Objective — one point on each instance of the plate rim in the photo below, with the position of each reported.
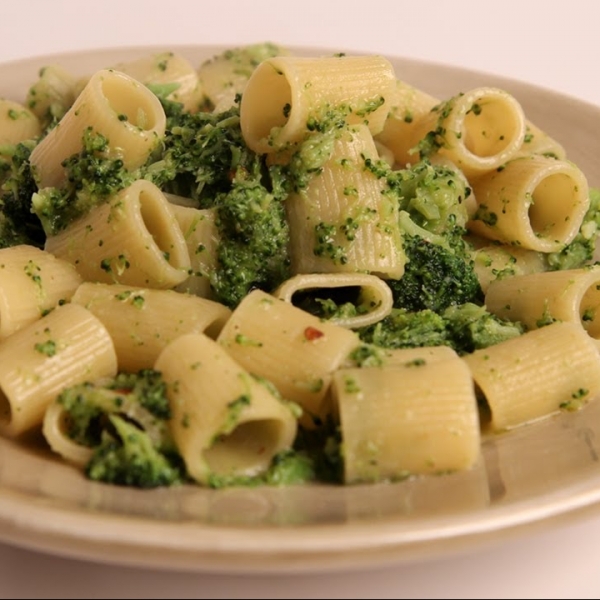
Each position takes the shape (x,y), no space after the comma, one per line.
(301,551)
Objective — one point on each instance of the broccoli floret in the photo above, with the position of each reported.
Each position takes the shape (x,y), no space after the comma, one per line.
(91,179)
(465,328)
(124,420)
(433,213)
(18,225)
(581,250)
(471,327)
(436,275)
(128,457)
(206,159)
(407,329)
(201,152)
(253,248)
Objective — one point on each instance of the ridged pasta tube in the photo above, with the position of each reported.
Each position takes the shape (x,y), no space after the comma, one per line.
(224,421)
(114,105)
(286,93)
(66,347)
(534,202)
(133,239)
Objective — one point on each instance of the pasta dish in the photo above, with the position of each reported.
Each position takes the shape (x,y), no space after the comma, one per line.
(271,269)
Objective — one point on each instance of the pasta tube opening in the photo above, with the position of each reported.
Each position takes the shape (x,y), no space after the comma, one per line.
(134,107)
(536,203)
(247,450)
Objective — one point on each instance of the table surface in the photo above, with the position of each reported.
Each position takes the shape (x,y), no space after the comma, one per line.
(555,48)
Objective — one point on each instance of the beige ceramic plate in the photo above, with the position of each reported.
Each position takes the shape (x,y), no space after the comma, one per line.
(528,478)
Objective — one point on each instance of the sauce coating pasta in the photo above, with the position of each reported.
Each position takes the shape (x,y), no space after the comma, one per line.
(321,274)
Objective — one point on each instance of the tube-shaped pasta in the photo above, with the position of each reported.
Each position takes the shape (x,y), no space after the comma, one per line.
(293,349)
(285,94)
(224,421)
(497,261)
(537,141)
(169,72)
(51,96)
(143,321)
(66,347)
(409,107)
(225,75)
(533,202)
(133,239)
(417,356)
(32,282)
(539,298)
(114,105)
(397,421)
(374,300)
(202,239)
(478,130)
(17,123)
(536,374)
(342,222)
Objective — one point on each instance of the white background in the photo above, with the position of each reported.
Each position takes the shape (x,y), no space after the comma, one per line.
(551,44)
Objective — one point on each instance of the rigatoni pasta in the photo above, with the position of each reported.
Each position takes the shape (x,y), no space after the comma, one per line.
(225,421)
(402,420)
(142,321)
(535,202)
(68,346)
(274,269)
(32,282)
(133,239)
(301,90)
(114,105)
(520,384)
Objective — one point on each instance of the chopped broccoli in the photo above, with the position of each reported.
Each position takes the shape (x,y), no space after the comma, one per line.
(125,421)
(407,329)
(128,457)
(92,178)
(471,327)
(206,159)
(465,328)
(581,250)
(18,225)
(436,275)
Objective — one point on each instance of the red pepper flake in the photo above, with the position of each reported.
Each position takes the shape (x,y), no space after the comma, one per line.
(311,333)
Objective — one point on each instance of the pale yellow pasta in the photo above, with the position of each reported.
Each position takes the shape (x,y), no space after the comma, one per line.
(533,202)
(536,374)
(478,130)
(417,356)
(51,96)
(64,348)
(537,141)
(202,239)
(32,282)
(17,123)
(342,222)
(114,105)
(407,420)
(167,70)
(374,298)
(498,261)
(143,321)
(225,75)
(293,349)
(410,105)
(539,298)
(224,421)
(284,94)
(133,239)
